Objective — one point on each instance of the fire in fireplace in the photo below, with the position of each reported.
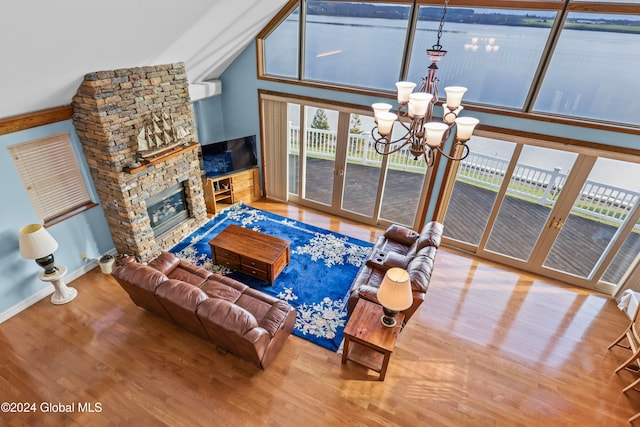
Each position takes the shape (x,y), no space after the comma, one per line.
(167,209)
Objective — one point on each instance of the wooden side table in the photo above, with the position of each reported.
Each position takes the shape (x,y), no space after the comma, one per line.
(366,341)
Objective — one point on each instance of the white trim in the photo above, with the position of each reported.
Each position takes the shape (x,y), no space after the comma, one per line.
(46,291)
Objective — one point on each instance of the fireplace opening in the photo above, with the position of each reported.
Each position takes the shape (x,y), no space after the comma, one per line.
(167,209)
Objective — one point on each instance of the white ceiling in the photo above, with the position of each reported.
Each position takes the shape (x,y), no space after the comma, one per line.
(48,46)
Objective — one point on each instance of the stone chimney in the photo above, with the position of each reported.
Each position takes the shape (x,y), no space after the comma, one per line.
(109,110)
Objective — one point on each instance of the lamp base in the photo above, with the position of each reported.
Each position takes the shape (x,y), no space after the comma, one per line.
(389,318)
(48,263)
(388,322)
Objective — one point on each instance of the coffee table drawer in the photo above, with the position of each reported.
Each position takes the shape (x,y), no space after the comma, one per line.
(228,259)
(252,263)
(255,272)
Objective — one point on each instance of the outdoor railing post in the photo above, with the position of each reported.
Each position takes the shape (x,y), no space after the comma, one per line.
(365,148)
(552,185)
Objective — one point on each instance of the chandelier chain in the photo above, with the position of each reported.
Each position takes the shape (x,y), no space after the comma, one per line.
(438,46)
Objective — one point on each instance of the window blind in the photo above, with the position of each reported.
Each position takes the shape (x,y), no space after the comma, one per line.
(274,114)
(50,173)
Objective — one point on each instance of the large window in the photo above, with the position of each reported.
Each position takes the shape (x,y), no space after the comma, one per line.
(593,71)
(546,57)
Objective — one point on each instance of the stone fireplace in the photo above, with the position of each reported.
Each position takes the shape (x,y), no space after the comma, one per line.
(151,207)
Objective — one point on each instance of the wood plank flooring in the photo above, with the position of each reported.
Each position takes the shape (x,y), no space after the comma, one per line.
(490,346)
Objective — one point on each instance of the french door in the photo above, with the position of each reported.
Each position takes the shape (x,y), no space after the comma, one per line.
(568,215)
(332,166)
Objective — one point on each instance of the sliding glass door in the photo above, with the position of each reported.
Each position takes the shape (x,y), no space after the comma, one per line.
(567,215)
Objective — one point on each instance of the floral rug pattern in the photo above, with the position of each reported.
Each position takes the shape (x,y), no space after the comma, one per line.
(316,281)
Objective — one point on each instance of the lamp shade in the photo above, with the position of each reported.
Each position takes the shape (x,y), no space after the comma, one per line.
(395,290)
(466,125)
(35,242)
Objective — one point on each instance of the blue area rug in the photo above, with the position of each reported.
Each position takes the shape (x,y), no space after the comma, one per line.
(316,281)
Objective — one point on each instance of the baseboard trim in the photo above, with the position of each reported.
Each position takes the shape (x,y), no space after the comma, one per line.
(46,291)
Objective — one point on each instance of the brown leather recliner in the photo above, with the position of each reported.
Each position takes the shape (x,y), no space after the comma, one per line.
(245,322)
(399,247)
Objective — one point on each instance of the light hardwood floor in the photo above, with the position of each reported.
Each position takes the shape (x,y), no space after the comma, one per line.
(489,346)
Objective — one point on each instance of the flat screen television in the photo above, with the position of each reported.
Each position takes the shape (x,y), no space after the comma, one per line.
(224,157)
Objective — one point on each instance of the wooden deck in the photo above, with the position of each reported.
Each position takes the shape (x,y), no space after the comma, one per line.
(577,249)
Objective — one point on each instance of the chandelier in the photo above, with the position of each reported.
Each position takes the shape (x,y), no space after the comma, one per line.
(424,136)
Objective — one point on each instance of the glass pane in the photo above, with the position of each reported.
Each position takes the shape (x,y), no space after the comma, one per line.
(344,45)
(320,153)
(593,70)
(533,190)
(626,258)
(403,185)
(604,203)
(493,52)
(475,190)
(281,48)
(293,147)
(362,173)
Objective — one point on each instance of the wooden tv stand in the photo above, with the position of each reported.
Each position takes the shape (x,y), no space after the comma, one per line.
(224,190)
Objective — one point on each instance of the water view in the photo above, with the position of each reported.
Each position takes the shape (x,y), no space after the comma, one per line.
(591,74)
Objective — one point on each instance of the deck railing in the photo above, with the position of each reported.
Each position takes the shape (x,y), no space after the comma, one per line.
(597,200)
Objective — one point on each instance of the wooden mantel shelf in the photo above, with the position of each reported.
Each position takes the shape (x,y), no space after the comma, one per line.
(146,164)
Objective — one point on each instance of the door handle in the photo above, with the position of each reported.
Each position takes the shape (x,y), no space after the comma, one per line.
(340,172)
(553,219)
(559,224)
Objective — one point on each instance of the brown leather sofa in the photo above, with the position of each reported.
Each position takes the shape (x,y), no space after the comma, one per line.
(245,322)
(404,248)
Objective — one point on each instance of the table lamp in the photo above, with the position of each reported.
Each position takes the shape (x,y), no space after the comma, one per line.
(36,243)
(394,294)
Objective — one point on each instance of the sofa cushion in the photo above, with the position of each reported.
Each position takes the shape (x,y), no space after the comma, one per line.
(179,269)
(431,235)
(181,300)
(274,319)
(218,286)
(420,268)
(401,234)
(226,315)
(166,262)
(140,282)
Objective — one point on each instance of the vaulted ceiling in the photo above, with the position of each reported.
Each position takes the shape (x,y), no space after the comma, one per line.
(48,46)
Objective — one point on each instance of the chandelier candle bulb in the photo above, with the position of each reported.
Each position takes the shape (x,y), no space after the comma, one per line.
(385,122)
(380,107)
(404,90)
(454,96)
(465,127)
(418,104)
(435,133)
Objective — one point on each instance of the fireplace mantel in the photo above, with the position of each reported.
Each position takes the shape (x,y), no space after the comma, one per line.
(146,164)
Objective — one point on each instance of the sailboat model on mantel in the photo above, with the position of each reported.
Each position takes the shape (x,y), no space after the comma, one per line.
(159,136)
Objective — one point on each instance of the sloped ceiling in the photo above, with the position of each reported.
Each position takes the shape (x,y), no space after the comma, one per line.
(48,46)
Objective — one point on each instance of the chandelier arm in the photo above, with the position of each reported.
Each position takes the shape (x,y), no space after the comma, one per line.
(386,143)
(464,155)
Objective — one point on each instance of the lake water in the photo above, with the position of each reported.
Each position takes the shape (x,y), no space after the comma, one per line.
(592,74)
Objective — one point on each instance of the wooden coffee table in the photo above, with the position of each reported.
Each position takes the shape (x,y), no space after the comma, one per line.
(366,341)
(256,254)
